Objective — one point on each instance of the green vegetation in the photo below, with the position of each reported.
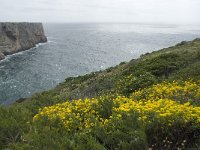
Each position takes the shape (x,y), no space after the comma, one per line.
(151,102)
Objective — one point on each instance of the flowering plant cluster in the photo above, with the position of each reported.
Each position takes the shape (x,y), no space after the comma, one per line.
(165,103)
(181,92)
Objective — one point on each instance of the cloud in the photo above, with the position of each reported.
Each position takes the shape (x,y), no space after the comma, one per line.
(170,11)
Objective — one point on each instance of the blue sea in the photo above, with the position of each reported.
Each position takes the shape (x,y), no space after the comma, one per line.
(78,49)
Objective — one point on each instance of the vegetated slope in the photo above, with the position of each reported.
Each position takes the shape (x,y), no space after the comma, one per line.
(130,106)
(178,62)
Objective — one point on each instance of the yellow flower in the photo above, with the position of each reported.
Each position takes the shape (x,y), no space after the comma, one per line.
(157,102)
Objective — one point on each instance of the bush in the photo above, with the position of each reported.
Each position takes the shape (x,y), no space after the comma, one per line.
(13,124)
(156,112)
(163,65)
(128,84)
(182,91)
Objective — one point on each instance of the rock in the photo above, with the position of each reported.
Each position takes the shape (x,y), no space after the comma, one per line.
(1,56)
(15,37)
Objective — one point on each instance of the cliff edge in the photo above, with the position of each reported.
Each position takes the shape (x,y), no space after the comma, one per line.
(15,37)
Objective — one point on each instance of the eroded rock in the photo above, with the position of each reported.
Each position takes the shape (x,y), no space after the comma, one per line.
(15,37)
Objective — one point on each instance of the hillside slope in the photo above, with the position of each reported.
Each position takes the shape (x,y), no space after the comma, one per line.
(178,62)
(129,106)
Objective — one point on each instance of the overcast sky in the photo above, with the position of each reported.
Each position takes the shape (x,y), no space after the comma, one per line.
(153,11)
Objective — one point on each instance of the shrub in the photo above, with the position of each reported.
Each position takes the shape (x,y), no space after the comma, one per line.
(158,113)
(128,84)
(182,91)
(13,124)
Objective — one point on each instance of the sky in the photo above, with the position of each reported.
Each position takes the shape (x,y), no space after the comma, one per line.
(138,11)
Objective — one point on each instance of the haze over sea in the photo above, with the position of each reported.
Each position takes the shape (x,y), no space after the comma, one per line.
(77,49)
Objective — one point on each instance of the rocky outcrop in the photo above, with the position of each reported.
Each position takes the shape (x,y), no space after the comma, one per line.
(15,37)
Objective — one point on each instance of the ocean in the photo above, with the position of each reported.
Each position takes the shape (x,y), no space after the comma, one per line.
(77,49)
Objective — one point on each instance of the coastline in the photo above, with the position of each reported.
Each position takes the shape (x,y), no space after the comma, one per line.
(7,57)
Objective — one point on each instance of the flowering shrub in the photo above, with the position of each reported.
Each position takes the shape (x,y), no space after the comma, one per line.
(79,114)
(178,91)
(75,114)
(162,106)
(165,110)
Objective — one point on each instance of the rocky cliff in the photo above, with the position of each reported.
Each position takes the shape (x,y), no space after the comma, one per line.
(15,37)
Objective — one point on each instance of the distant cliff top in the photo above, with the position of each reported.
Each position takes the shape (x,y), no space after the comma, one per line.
(19,36)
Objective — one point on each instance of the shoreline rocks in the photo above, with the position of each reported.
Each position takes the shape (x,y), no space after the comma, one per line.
(16,37)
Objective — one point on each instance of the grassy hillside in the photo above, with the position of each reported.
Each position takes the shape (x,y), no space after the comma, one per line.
(150,102)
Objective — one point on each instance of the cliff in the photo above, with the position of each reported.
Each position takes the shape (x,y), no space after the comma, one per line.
(15,37)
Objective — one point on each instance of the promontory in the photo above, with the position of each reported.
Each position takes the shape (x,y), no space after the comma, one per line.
(15,37)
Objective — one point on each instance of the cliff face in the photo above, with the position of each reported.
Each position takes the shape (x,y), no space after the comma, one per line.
(15,37)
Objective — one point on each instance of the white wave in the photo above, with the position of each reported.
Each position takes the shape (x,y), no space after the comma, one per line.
(2,67)
(40,44)
(7,57)
(49,41)
(52,38)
